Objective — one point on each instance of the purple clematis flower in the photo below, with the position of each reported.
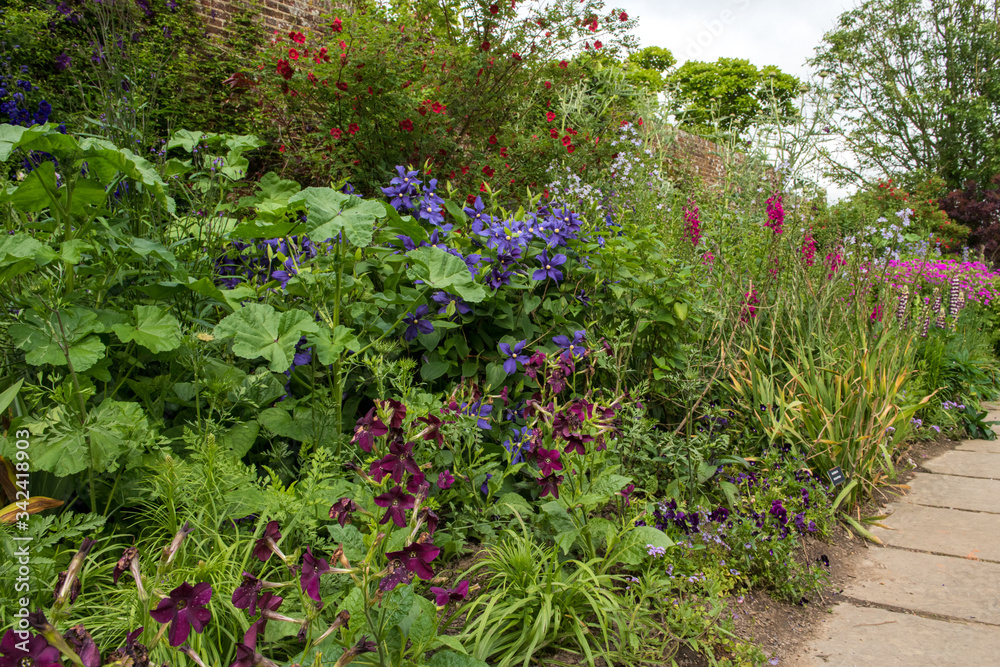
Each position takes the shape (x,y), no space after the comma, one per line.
(573,346)
(445,300)
(481,411)
(549,269)
(416,558)
(396,501)
(312,569)
(184,610)
(402,188)
(518,444)
(513,356)
(417,323)
(478,215)
(443,596)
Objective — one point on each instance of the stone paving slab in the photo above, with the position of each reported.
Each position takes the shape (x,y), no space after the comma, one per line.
(989,446)
(865,637)
(943,585)
(970,464)
(966,493)
(964,534)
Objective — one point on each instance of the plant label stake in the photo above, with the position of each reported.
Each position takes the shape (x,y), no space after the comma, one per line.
(836,476)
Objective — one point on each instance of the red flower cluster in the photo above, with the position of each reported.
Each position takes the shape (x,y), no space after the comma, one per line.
(285,70)
(297,37)
(406,125)
(337,25)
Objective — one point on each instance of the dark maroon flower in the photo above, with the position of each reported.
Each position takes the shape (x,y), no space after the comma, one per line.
(536,362)
(184,610)
(548,461)
(246,656)
(550,484)
(576,443)
(433,429)
(367,429)
(398,412)
(83,645)
(39,652)
(312,569)
(626,493)
(74,588)
(133,651)
(429,518)
(124,563)
(246,595)
(397,574)
(443,596)
(395,502)
(416,558)
(268,604)
(399,460)
(342,510)
(418,485)
(267,544)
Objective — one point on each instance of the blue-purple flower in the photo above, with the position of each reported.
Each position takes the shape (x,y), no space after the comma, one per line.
(549,269)
(445,300)
(573,346)
(417,323)
(512,356)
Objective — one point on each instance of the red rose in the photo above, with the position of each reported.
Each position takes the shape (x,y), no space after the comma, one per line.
(550,116)
(406,125)
(547,84)
(470,200)
(342,86)
(570,130)
(422,110)
(623,17)
(437,107)
(597,44)
(465,170)
(337,25)
(492,139)
(285,70)
(336,133)
(563,64)
(494,9)
(293,54)
(353,128)
(503,152)
(554,133)
(489,171)
(485,46)
(516,56)
(570,148)
(566,141)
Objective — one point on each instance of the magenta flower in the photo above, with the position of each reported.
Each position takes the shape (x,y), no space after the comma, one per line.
(396,502)
(445,480)
(312,569)
(399,460)
(443,596)
(550,484)
(268,605)
(416,558)
(184,610)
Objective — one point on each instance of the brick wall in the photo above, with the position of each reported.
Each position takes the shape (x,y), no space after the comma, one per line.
(274,14)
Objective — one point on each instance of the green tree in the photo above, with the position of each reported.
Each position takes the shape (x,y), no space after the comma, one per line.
(731,92)
(647,67)
(919,87)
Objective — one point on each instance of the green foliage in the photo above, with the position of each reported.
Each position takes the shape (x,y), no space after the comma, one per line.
(900,65)
(731,92)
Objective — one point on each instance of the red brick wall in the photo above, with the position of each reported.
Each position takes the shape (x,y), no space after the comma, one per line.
(273,14)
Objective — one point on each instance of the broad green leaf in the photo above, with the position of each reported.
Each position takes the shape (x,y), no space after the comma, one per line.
(33,194)
(441,270)
(329,347)
(432,370)
(155,329)
(350,538)
(632,549)
(72,251)
(20,253)
(422,626)
(72,328)
(186,139)
(272,188)
(280,422)
(258,330)
(240,438)
(329,211)
(229,298)
(681,309)
(146,248)
(566,539)
(495,376)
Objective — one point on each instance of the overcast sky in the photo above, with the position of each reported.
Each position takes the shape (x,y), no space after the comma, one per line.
(765,32)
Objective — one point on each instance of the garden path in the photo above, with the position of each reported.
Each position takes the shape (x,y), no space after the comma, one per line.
(931,595)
